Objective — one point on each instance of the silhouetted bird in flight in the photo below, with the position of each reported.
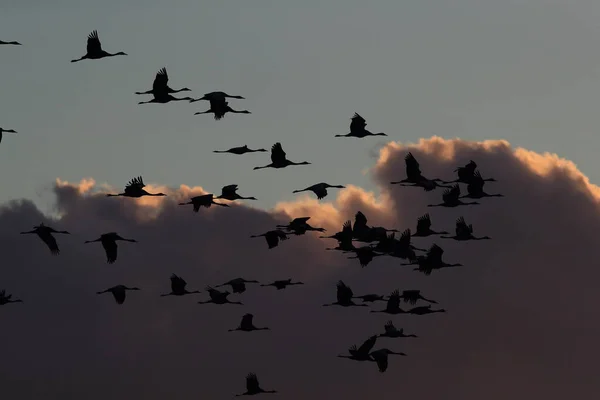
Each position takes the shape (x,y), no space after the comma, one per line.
(94,49)
(219,97)
(229,192)
(45,233)
(432,260)
(414,176)
(365,233)
(178,285)
(401,248)
(299,226)
(475,188)
(218,297)
(357,128)
(205,200)
(450,198)
(160,85)
(247,326)
(220,108)
(465,173)
(361,353)
(163,98)
(273,237)
(238,285)
(344,236)
(320,189)
(6,131)
(7,298)
(393,305)
(118,292)
(412,296)
(364,255)
(282,284)
(109,242)
(344,297)
(279,160)
(392,332)
(241,150)
(135,188)
(423,310)
(253,387)
(381,358)
(464,232)
(370,298)
(14,43)
(424,227)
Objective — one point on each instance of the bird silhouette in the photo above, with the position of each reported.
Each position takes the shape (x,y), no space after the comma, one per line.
(392,332)
(412,296)
(415,178)
(282,284)
(247,326)
(370,298)
(6,131)
(393,305)
(424,227)
(109,242)
(365,233)
(279,160)
(357,128)
(216,97)
(135,188)
(464,232)
(381,358)
(273,237)
(344,297)
(299,226)
(220,108)
(94,49)
(205,200)
(253,387)
(229,192)
(118,292)
(241,150)
(7,298)
(160,85)
(475,188)
(218,297)
(13,43)
(178,287)
(163,98)
(465,173)
(431,261)
(238,285)
(45,233)
(345,235)
(423,310)
(361,353)
(320,189)
(364,255)
(450,198)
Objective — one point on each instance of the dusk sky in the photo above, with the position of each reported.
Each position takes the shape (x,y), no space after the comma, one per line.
(513,85)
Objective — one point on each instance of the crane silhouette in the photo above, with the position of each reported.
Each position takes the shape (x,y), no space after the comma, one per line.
(415,178)
(393,305)
(361,353)
(282,284)
(45,233)
(450,198)
(163,98)
(381,358)
(6,131)
(160,85)
(218,297)
(357,128)
(229,192)
(475,188)
(247,326)
(7,298)
(205,200)
(299,226)
(273,237)
(241,150)
(423,310)
(466,173)
(344,297)
(370,298)
(364,255)
(220,108)
(118,292)
(320,189)
(412,296)
(424,227)
(365,233)
(464,232)
(13,43)
(253,387)
(238,285)
(94,49)
(345,235)
(216,97)
(135,188)
(279,160)
(392,332)
(178,287)
(109,242)
(431,261)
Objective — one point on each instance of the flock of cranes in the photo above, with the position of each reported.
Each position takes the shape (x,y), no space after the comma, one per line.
(378,241)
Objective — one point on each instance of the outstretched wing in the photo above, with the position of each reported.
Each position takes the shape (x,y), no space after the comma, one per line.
(389,327)
(404,241)
(229,189)
(50,242)
(424,223)
(461,227)
(135,183)
(360,219)
(381,359)
(411,296)
(252,385)
(344,293)
(452,194)
(119,295)
(277,153)
(110,247)
(358,123)
(367,345)
(394,300)
(246,320)
(412,166)
(160,81)
(93,43)
(177,283)
(299,221)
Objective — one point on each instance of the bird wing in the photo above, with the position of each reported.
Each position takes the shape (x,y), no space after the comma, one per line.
(119,295)
(389,327)
(110,247)
(246,321)
(451,194)
(299,221)
(161,80)
(177,283)
(252,385)
(93,43)
(411,296)
(461,227)
(229,189)
(358,123)
(50,242)
(423,223)
(404,240)
(320,191)
(360,219)
(135,183)
(412,166)
(277,153)
(367,345)
(394,300)
(381,359)
(344,293)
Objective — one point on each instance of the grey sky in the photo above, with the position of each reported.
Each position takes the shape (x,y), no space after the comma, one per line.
(476,69)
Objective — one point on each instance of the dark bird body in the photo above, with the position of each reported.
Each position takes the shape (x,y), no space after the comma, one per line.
(160,85)
(229,192)
(450,198)
(253,387)
(118,292)
(218,297)
(424,227)
(45,233)
(361,353)
(220,108)
(238,285)
(247,326)
(135,188)
(464,232)
(282,284)
(13,43)
(178,287)
(358,128)
(320,189)
(414,177)
(381,358)
(219,97)
(279,160)
(475,188)
(344,297)
(392,332)
(205,200)
(273,237)
(299,226)
(109,242)
(241,150)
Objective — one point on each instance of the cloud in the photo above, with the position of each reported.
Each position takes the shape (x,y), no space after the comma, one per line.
(521,315)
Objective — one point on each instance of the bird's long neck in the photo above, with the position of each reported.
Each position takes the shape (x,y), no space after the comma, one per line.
(92,241)
(247,198)
(266,166)
(115,195)
(237,111)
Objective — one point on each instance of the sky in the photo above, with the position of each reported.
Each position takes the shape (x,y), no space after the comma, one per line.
(515,81)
